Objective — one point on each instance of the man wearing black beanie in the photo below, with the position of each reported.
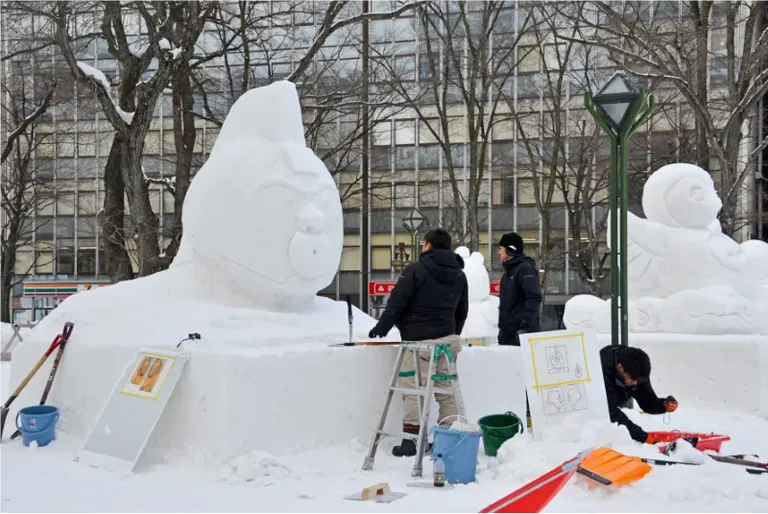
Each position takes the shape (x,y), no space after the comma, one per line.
(519,292)
(519,296)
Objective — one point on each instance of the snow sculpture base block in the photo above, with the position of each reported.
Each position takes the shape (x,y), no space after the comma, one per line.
(231,401)
(715,372)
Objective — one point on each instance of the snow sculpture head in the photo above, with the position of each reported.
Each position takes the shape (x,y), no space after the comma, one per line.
(263,216)
(477,276)
(682,196)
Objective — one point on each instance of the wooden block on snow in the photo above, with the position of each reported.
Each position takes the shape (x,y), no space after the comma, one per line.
(371,492)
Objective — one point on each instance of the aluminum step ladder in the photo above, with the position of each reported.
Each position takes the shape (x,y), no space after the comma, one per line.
(424,393)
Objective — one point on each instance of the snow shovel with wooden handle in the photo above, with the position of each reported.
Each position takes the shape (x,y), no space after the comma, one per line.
(68,326)
(4,413)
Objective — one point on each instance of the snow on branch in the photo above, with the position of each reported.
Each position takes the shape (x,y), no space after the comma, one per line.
(95,74)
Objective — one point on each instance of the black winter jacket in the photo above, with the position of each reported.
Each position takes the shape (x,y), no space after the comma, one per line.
(430,299)
(519,299)
(618,394)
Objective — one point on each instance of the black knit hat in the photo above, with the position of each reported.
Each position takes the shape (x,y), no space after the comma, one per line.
(512,242)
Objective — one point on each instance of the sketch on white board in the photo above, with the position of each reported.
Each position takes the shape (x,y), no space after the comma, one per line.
(562,399)
(553,401)
(557,359)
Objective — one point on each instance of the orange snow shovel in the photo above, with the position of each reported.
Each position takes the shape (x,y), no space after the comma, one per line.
(610,467)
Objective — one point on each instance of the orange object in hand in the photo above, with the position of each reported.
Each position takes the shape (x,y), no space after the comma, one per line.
(670,404)
(651,439)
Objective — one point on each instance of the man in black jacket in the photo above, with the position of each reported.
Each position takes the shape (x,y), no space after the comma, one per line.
(429,304)
(519,292)
(627,373)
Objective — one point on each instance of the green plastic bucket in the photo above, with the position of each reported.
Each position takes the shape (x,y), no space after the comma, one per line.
(497,428)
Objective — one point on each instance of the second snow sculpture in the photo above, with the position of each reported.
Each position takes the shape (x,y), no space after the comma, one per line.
(483,318)
(685,275)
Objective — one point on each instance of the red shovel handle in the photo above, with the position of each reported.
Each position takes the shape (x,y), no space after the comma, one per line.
(55,344)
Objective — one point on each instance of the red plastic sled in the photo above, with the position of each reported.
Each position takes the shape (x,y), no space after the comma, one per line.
(535,495)
(705,441)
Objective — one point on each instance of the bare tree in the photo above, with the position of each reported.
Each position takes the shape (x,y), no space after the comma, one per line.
(21,188)
(468,53)
(147,65)
(257,43)
(713,53)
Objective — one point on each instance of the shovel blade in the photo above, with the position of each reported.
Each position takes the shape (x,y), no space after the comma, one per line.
(614,466)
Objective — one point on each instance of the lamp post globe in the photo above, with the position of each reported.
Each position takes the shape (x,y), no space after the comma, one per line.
(616,100)
(412,223)
(413,220)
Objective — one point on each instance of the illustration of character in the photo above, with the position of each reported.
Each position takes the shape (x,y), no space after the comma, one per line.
(141,371)
(154,373)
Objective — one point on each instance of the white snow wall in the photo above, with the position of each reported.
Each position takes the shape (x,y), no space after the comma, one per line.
(277,400)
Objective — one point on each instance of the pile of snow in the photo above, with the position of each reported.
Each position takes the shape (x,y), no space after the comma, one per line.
(317,480)
(258,467)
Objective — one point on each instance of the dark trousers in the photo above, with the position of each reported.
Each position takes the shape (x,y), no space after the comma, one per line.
(508,340)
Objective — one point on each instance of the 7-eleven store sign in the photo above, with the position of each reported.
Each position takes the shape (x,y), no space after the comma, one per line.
(385,288)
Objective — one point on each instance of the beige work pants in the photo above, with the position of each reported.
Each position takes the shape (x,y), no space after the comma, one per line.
(446,402)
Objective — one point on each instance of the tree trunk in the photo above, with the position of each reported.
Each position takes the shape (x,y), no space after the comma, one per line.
(184,133)
(473,227)
(113,220)
(145,222)
(6,286)
(701,74)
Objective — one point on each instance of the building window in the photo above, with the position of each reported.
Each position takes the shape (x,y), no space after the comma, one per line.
(65,261)
(428,66)
(86,261)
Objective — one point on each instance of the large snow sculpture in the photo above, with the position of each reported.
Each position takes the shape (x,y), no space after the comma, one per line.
(260,167)
(483,317)
(263,233)
(684,274)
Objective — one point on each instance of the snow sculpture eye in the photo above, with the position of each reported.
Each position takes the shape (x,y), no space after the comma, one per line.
(697,193)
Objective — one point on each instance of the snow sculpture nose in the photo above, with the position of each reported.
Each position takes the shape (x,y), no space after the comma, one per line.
(310,219)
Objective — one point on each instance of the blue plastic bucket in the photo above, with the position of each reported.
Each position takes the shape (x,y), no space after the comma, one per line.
(38,423)
(459,450)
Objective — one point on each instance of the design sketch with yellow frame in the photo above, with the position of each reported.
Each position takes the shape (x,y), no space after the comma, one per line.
(583,351)
(148,376)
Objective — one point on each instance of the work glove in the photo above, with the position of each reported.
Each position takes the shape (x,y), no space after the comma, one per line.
(670,404)
(651,439)
(373,334)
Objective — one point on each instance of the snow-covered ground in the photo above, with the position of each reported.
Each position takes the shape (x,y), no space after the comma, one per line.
(47,479)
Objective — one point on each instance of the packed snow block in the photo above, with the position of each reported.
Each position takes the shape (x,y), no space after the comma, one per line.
(716,372)
(232,401)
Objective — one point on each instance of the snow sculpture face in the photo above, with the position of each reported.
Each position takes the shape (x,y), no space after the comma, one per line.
(477,276)
(263,215)
(682,196)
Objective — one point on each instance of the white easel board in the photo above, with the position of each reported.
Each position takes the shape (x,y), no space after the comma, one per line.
(122,430)
(563,376)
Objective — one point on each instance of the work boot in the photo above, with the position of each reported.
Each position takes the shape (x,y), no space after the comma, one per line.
(408,447)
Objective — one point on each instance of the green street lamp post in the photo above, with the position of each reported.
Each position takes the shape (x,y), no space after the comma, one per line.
(619,109)
(412,223)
